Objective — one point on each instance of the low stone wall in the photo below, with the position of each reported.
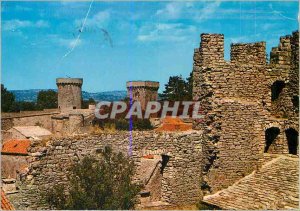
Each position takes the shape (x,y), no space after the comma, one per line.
(48,165)
(28,118)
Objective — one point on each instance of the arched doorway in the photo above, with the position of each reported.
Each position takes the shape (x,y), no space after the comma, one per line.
(270,136)
(293,140)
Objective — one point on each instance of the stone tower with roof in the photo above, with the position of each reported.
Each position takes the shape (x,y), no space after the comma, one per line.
(69,93)
(142,91)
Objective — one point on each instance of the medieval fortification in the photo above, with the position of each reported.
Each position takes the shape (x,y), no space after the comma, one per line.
(250,127)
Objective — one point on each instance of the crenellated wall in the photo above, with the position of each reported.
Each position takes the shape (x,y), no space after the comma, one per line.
(239,105)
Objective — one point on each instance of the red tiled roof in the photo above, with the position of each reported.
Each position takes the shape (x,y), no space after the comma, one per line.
(5,204)
(16,146)
(174,124)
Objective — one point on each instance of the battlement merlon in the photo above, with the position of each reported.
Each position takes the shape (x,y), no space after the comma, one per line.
(249,53)
(211,49)
(75,81)
(143,84)
(287,50)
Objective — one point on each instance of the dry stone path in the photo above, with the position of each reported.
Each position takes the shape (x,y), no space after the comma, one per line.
(274,186)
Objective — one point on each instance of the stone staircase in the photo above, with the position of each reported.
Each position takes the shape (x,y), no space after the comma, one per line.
(151,177)
(274,186)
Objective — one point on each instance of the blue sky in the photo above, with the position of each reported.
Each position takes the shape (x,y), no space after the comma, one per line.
(123,41)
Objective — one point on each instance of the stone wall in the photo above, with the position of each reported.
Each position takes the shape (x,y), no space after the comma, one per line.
(75,122)
(35,118)
(6,123)
(11,164)
(180,179)
(284,65)
(238,107)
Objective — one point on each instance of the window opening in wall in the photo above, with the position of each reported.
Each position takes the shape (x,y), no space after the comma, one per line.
(295,101)
(276,89)
(165,160)
(270,135)
(293,140)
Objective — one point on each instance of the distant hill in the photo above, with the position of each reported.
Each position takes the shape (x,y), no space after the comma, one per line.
(30,95)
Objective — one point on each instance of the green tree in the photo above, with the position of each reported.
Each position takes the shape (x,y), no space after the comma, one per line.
(7,99)
(47,99)
(24,106)
(97,183)
(177,89)
(190,87)
(86,103)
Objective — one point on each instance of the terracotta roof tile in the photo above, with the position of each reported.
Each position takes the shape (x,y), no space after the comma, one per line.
(16,146)
(174,124)
(5,204)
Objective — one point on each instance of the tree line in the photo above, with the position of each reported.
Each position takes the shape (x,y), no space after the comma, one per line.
(176,89)
(46,99)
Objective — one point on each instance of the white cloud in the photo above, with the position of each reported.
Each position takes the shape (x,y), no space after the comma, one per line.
(64,42)
(100,19)
(165,32)
(15,24)
(207,11)
(173,10)
(268,26)
(41,24)
(69,43)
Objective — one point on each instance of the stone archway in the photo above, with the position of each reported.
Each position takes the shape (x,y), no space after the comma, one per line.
(292,136)
(270,137)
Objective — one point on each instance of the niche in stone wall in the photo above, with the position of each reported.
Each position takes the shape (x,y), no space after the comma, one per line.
(293,140)
(270,136)
(276,89)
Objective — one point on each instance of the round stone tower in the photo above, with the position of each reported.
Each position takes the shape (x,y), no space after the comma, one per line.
(142,91)
(69,93)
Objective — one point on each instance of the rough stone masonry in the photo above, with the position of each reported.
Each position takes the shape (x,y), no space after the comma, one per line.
(48,164)
(250,105)
(69,93)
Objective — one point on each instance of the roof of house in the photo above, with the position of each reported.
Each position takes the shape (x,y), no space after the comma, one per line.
(32,131)
(5,204)
(16,146)
(174,124)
